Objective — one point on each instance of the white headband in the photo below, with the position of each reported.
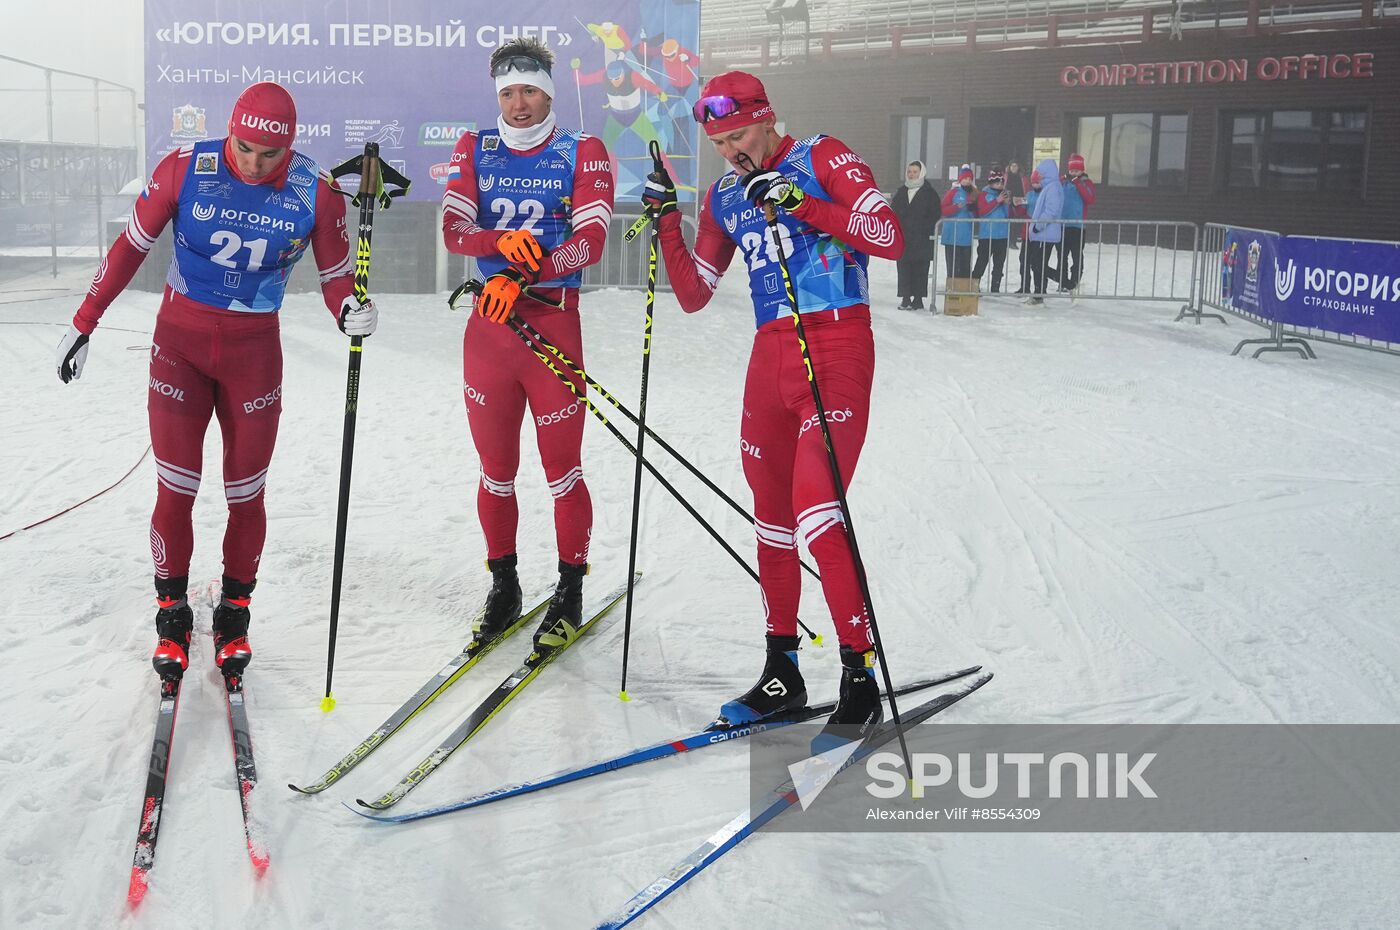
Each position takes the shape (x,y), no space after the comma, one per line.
(540,79)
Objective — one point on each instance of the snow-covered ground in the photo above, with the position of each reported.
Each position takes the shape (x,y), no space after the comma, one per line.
(1120,519)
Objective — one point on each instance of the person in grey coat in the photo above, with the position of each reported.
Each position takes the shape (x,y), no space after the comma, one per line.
(1045,227)
(916,205)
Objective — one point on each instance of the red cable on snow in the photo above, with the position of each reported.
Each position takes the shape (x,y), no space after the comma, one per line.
(82,502)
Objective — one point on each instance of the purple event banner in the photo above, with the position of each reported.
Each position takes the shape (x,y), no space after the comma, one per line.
(1339,285)
(416,78)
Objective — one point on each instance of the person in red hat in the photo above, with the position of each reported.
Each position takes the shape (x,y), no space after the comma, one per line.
(244,210)
(531,202)
(1080,195)
(831,218)
(960,206)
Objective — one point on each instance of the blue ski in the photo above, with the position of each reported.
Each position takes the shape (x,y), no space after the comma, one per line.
(708,737)
(783,797)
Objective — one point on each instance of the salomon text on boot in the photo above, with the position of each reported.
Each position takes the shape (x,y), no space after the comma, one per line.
(779,688)
(859,709)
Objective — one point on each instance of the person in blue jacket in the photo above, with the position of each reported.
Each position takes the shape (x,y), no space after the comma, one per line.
(959,210)
(1045,227)
(1080,194)
(994,207)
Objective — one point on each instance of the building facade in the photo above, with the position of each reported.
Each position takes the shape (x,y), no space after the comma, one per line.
(1291,132)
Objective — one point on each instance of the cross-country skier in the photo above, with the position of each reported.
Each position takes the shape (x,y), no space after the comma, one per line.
(531,202)
(244,209)
(831,217)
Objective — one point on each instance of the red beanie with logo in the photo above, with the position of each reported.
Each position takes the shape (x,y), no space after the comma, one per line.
(743,89)
(264,115)
(1076,162)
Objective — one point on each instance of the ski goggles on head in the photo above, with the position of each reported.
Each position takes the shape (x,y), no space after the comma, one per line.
(714,107)
(518,63)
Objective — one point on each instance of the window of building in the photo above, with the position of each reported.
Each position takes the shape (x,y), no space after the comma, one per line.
(1171,150)
(921,139)
(1134,149)
(1294,150)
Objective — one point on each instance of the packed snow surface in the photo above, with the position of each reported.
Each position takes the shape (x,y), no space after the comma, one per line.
(1102,506)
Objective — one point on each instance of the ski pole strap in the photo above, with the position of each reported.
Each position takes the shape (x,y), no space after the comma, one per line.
(648,214)
(389,185)
(473,286)
(470,286)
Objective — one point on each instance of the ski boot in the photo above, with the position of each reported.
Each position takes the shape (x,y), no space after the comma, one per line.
(859,709)
(779,688)
(564,616)
(174,624)
(503,603)
(231,650)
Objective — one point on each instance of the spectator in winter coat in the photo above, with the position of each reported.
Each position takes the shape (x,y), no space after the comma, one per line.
(959,210)
(1045,226)
(916,205)
(994,206)
(1080,194)
(1022,208)
(1016,188)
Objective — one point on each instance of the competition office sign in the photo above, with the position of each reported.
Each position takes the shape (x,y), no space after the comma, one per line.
(1344,66)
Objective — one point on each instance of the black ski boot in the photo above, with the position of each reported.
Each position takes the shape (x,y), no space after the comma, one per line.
(859,709)
(565,614)
(780,687)
(174,624)
(503,602)
(231,650)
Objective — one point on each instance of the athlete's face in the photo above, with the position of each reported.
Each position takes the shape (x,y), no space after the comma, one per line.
(523,105)
(747,148)
(254,161)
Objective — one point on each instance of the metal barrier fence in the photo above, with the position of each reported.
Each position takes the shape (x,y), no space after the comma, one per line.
(1119,259)
(1283,337)
(72,140)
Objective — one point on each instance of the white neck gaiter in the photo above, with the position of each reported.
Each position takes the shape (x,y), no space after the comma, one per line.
(522,140)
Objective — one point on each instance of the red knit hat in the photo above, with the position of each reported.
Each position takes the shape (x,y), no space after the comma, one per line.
(264,115)
(1035,176)
(1076,162)
(965,174)
(731,101)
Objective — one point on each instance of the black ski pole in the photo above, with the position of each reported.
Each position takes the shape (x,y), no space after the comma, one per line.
(770,213)
(543,349)
(651,433)
(372,174)
(658,165)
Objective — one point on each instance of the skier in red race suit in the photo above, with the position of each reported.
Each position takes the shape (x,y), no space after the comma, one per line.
(831,217)
(531,202)
(244,210)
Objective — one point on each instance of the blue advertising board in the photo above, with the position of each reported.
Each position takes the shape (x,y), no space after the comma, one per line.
(413,76)
(1339,285)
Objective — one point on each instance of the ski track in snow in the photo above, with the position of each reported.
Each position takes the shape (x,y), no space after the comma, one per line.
(1121,520)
